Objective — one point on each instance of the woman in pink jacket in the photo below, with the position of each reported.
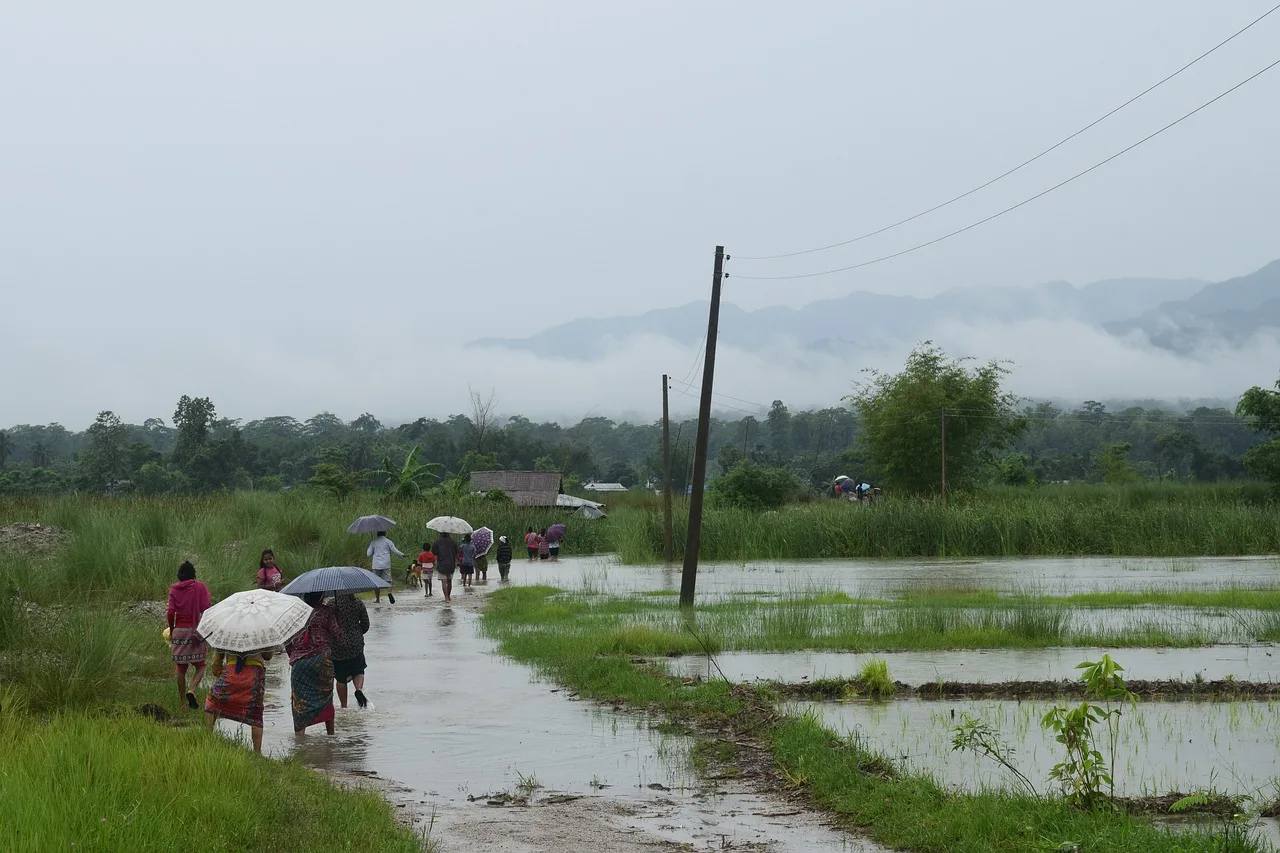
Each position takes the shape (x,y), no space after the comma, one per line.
(188,600)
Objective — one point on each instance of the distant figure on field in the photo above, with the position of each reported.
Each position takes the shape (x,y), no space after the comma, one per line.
(553,548)
(381,549)
(446,562)
(427,562)
(544,547)
(311,667)
(504,557)
(188,600)
(269,574)
(468,560)
(531,543)
(239,691)
(348,653)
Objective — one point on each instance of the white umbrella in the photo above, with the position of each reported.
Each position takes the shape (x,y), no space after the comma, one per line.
(370,524)
(448,524)
(253,620)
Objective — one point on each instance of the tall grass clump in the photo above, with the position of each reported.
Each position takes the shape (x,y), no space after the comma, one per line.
(874,678)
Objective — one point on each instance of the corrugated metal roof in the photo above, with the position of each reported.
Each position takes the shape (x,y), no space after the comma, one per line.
(526,488)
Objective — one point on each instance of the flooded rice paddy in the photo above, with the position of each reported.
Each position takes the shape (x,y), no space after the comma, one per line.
(1164,746)
(1212,663)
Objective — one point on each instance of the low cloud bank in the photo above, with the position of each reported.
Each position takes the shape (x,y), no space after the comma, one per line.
(403,376)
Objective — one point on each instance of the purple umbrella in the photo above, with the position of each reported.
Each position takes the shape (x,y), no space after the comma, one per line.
(482,539)
(555,533)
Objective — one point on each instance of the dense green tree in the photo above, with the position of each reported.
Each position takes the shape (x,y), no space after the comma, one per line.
(1115,466)
(1177,449)
(103,462)
(1261,408)
(779,429)
(194,418)
(749,485)
(903,416)
(6,448)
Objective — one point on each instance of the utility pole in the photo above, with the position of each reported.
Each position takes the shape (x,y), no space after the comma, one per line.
(944,453)
(693,539)
(668,549)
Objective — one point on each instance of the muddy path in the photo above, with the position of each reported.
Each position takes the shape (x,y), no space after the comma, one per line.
(475,753)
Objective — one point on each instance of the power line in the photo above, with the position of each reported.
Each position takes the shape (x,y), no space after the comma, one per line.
(720,405)
(725,396)
(1022,203)
(1021,165)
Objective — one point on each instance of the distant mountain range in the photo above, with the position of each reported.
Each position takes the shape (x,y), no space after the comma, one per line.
(1180,315)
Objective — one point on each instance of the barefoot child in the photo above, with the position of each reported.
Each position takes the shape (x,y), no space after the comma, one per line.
(427,565)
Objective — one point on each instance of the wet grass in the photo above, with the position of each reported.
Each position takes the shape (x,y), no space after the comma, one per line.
(76,782)
(588,647)
(835,621)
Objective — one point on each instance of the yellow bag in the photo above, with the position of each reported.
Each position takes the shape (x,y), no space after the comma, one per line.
(165,634)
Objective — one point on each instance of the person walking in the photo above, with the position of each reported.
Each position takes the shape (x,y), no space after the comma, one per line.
(531,544)
(446,551)
(348,653)
(381,549)
(427,561)
(239,691)
(269,574)
(311,667)
(553,548)
(188,600)
(504,558)
(468,567)
(544,547)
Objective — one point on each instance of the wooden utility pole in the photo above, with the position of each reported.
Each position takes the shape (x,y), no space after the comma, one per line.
(668,547)
(693,538)
(943,426)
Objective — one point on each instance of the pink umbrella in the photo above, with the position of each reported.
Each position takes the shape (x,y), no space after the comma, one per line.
(555,533)
(482,539)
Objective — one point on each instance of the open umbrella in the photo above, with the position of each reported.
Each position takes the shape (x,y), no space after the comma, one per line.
(253,620)
(335,579)
(370,524)
(555,533)
(448,524)
(482,539)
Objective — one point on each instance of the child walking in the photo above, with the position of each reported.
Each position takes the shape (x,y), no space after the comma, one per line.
(427,562)
(504,557)
(468,555)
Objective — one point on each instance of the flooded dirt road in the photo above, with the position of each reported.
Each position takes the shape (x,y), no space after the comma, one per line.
(453,727)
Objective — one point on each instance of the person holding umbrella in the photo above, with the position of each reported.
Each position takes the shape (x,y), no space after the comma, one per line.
(381,549)
(242,629)
(446,551)
(554,534)
(311,666)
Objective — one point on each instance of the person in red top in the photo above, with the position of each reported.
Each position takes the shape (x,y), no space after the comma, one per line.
(188,600)
(427,562)
(269,574)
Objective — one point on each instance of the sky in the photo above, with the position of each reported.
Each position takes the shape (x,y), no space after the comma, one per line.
(295,207)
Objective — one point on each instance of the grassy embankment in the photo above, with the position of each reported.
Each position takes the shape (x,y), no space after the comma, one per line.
(82,769)
(592,656)
(1155,520)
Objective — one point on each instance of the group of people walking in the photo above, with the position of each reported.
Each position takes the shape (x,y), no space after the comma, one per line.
(329,651)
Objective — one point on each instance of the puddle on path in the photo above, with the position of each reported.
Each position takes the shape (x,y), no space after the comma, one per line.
(1164,746)
(1246,663)
(452,718)
(887,578)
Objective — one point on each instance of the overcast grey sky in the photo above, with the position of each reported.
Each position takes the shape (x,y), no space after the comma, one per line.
(302,206)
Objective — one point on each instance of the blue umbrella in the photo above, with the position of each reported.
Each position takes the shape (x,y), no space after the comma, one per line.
(335,579)
(370,524)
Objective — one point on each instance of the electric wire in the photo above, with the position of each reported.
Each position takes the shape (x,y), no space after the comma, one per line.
(1022,203)
(1021,165)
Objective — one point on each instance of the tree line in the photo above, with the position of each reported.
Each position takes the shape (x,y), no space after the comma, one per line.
(890,430)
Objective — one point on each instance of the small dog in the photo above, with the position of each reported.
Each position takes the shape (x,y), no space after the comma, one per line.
(413,574)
